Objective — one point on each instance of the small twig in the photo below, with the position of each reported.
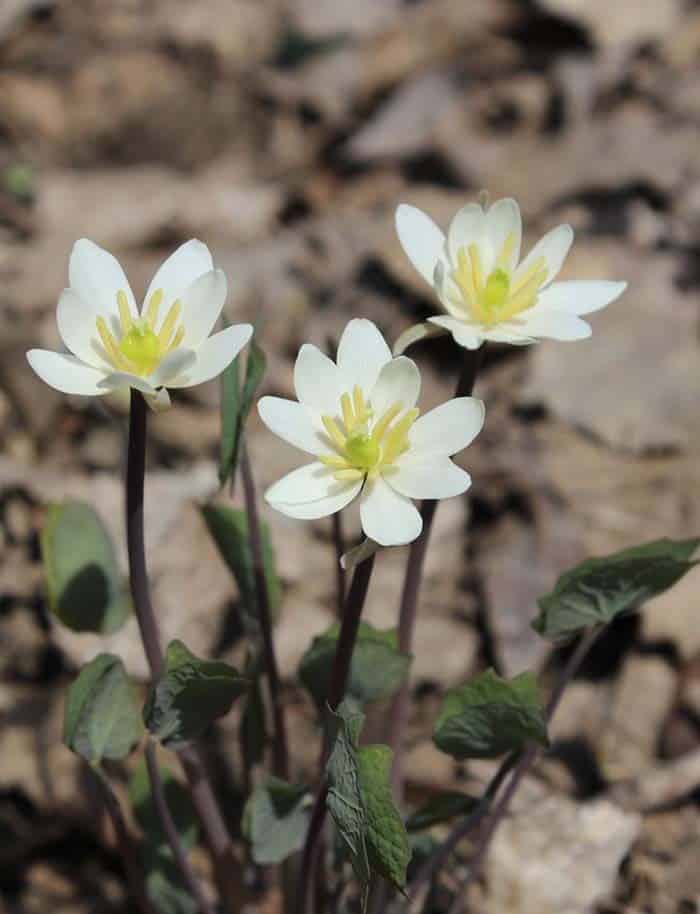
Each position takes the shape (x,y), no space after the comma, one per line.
(171,833)
(339,679)
(279,746)
(125,841)
(398,713)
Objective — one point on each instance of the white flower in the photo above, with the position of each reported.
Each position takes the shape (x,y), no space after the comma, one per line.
(487,291)
(166,343)
(358,419)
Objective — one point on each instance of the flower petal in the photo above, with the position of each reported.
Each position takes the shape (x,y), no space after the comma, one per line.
(311,492)
(123,379)
(97,276)
(175,363)
(447,429)
(76,324)
(362,353)
(190,261)
(435,476)
(416,333)
(467,227)
(398,382)
(388,518)
(317,380)
(468,335)
(508,332)
(423,242)
(553,247)
(503,219)
(293,422)
(202,303)
(159,401)
(555,325)
(66,373)
(214,355)
(581,296)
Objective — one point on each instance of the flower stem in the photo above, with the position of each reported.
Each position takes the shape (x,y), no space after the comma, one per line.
(280,749)
(127,849)
(523,766)
(339,543)
(213,825)
(398,713)
(171,833)
(349,627)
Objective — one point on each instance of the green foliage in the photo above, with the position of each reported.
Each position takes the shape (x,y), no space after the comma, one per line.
(164,883)
(101,716)
(85,589)
(377,668)
(235,406)
(361,805)
(19,180)
(190,695)
(229,529)
(441,808)
(599,589)
(276,819)
(489,716)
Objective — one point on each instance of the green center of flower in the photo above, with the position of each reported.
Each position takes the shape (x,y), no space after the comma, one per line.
(498,296)
(363,446)
(139,347)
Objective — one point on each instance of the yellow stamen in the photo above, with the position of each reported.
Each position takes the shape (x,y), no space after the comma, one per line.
(177,339)
(171,318)
(108,340)
(539,265)
(386,420)
(477,272)
(330,460)
(504,258)
(152,309)
(397,438)
(358,402)
(525,297)
(348,475)
(348,416)
(124,311)
(334,433)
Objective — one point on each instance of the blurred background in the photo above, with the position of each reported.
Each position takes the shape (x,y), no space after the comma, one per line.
(284,133)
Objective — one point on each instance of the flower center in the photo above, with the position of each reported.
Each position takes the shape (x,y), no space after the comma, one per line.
(139,349)
(498,296)
(363,444)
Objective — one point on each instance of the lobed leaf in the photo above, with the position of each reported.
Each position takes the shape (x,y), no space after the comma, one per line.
(489,716)
(276,820)
(86,591)
(101,716)
(599,589)
(236,402)
(190,695)
(441,808)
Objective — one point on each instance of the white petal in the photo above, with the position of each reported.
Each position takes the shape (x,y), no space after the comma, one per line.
(160,401)
(423,242)
(293,422)
(97,276)
(311,492)
(202,303)
(432,477)
(508,332)
(76,324)
(468,335)
(414,334)
(120,379)
(66,373)
(175,363)
(388,518)
(398,382)
(214,355)
(466,228)
(555,325)
(317,380)
(448,428)
(554,247)
(502,220)
(580,296)
(362,353)
(190,261)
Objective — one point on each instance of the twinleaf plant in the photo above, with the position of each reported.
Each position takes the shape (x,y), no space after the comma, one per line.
(342,835)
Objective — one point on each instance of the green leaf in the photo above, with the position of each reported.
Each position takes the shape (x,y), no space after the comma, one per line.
(387,842)
(276,820)
(597,590)
(229,529)
(190,695)
(101,717)
(361,805)
(85,589)
(441,808)
(235,406)
(377,668)
(253,732)
(489,716)
(164,883)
